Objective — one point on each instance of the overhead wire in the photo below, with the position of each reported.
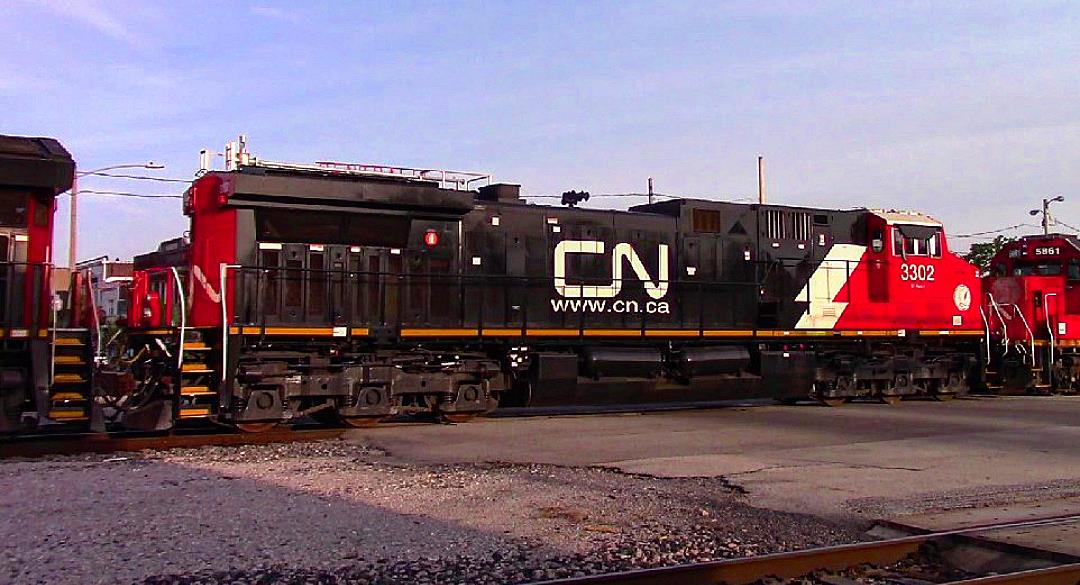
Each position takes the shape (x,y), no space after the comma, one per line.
(128,194)
(993,232)
(140,177)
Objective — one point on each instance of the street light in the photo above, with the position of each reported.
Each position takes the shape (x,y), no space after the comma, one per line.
(75,195)
(1045,211)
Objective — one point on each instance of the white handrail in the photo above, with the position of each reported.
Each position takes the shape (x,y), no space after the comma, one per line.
(1004,328)
(225,320)
(97,320)
(1031,335)
(183,318)
(986,326)
(1050,330)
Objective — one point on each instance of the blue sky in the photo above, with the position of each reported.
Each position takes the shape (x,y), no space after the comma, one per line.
(967,111)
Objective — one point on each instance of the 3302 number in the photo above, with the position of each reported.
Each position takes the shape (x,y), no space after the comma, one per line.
(922,272)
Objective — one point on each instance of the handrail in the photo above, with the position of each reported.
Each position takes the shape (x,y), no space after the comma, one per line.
(1031,335)
(1004,328)
(183,319)
(1050,330)
(986,326)
(225,320)
(97,319)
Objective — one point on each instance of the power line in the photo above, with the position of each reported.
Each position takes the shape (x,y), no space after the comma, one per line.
(127,194)
(991,232)
(1056,220)
(141,178)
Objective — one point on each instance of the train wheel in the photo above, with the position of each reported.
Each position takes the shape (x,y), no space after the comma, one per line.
(362,422)
(891,400)
(256,427)
(832,402)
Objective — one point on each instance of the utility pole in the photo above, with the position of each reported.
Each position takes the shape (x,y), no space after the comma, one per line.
(650,191)
(1045,211)
(761,179)
(74,232)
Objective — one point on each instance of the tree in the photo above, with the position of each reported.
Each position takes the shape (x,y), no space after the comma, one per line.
(980,254)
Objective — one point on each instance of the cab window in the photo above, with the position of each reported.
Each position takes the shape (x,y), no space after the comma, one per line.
(1074,270)
(916,241)
(1037,269)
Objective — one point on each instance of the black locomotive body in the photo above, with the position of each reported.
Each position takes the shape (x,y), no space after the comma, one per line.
(359,295)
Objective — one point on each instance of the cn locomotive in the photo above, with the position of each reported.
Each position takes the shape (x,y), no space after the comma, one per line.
(350,293)
(1032,307)
(38,382)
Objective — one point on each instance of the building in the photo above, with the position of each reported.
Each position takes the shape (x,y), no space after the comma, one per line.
(109,277)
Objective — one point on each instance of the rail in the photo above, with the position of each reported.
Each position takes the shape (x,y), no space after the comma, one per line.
(75,443)
(1004,327)
(1050,330)
(986,328)
(792,565)
(24,294)
(1031,334)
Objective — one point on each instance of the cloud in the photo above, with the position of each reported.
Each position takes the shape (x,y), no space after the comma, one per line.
(93,15)
(270,12)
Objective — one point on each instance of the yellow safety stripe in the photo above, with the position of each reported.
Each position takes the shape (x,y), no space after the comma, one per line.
(415,332)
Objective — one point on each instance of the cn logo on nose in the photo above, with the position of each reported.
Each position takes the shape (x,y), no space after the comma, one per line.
(656,289)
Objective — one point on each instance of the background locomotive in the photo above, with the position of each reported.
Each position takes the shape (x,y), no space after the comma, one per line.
(353,292)
(1032,305)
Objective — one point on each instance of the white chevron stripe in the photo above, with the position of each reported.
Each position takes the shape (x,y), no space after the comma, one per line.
(825,283)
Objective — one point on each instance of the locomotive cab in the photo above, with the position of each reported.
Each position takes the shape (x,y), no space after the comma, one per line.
(33,171)
(1032,304)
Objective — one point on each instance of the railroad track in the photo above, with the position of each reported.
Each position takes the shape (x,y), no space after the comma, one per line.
(76,443)
(1032,566)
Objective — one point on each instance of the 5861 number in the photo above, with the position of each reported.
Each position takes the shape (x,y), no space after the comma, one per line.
(921,272)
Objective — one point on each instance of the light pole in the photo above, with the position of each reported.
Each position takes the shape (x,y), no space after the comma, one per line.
(1045,211)
(75,196)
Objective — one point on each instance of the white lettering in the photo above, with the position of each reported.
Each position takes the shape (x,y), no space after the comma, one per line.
(656,289)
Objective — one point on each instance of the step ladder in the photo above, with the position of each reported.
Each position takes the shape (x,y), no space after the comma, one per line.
(198,382)
(72,364)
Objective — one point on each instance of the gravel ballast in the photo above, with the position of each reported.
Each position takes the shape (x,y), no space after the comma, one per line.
(338,512)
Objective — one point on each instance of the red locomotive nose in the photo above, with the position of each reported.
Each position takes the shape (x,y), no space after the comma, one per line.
(431,238)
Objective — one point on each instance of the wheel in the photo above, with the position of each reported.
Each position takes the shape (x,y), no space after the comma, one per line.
(362,422)
(891,400)
(256,427)
(832,402)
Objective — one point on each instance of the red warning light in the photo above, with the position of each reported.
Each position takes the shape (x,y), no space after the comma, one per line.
(431,238)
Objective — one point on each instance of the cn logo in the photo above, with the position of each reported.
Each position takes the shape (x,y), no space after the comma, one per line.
(656,289)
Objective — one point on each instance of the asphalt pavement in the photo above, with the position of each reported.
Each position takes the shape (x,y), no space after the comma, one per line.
(861,460)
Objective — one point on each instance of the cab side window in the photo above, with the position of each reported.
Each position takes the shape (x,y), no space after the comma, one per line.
(916,245)
(1074,270)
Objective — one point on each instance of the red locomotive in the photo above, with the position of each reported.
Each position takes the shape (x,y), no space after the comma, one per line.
(1032,309)
(44,367)
(350,293)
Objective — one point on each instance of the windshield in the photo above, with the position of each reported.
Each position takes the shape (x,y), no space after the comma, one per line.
(1037,269)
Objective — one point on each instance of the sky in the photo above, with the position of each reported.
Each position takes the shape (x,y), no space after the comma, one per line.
(968,111)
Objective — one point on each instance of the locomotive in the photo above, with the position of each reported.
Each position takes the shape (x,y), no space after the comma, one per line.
(350,293)
(44,367)
(1032,308)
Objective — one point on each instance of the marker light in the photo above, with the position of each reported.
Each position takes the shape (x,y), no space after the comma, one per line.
(431,238)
